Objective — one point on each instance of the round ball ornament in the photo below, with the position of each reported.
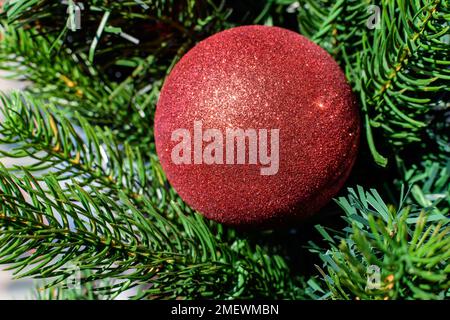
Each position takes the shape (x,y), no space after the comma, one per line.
(256,126)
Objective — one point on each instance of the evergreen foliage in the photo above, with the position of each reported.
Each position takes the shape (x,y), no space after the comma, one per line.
(92,193)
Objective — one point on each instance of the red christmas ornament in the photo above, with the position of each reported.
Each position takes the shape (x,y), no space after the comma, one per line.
(281,94)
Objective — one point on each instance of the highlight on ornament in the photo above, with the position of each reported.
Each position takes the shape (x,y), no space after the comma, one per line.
(228,149)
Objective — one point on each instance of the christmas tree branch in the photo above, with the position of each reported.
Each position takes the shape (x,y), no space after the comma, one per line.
(92,290)
(408,249)
(92,157)
(56,226)
(430,185)
(65,79)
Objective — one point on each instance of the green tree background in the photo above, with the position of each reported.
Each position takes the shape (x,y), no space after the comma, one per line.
(95,196)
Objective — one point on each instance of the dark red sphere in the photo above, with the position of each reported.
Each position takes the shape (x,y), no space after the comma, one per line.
(257,78)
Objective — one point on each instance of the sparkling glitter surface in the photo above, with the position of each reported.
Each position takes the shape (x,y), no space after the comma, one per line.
(261,78)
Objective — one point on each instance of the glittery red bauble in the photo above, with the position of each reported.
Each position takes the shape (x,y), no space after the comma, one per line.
(258,77)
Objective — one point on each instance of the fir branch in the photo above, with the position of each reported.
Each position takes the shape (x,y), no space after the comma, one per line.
(70,81)
(94,157)
(89,291)
(70,225)
(410,248)
(430,185)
